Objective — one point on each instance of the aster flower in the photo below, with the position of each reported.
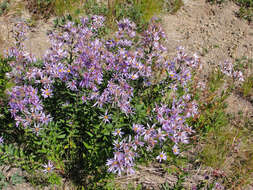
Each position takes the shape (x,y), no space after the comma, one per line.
(1,140)
(118,145)
(160,135)
(47,93)
(148,132)
(175,149)
(162,156)
(137,143)
(118,132)
(72,85)
(84,98)
(114,166)
(36,129)
(49,167)
(137,128)
(133,76)
(105,117)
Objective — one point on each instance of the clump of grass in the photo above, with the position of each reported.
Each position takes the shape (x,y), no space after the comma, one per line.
(172,6)
(72,7)
(247,87)
(246,9)
(4,7)
(229,149)
(46,8)
(225,141)
(40,8)
(139,11)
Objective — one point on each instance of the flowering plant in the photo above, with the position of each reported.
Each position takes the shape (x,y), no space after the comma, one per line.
(93,99)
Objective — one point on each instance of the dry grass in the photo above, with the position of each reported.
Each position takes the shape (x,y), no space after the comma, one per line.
(230,149)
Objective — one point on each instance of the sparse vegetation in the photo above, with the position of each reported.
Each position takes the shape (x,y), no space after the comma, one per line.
(246,8)
(4,6)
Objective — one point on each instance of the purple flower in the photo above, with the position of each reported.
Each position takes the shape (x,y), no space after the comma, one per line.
(49,167)
(175,149)
(138,128)
(137,142)
(114,166)
(160,135)
(218,186)
(84,98)
(117,145)
(105,117)
(148,132)
(47,92)
(72,85)
(133,76)
(162,156)
(1,140)
(36,129)
(118,132)
(110,43)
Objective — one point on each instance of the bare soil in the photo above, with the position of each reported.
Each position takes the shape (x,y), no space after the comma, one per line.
(216,35)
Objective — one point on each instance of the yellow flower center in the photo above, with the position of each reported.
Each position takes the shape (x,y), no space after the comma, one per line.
(133,77)
(114,163)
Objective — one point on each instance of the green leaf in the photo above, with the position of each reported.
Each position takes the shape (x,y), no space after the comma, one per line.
(87,146)
(61,136)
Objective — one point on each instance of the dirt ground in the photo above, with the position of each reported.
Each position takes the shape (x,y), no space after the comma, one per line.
(216,35)
(212,31)
(37,41)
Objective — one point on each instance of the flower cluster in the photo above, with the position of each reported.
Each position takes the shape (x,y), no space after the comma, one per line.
(26,107)
(228,69)
(107,74)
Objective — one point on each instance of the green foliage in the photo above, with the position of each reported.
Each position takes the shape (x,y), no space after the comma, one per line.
(14,179)
(229,149)
(247,87)
(172,6)
(12,157)
(4,6)
(4,68)
(215,81)
(223,138)
(246,9)
(139,11)
(61,7)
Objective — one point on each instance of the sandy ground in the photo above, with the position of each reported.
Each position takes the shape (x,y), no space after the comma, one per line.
(214,33)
